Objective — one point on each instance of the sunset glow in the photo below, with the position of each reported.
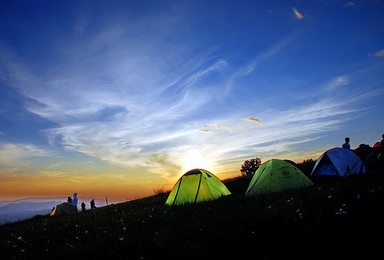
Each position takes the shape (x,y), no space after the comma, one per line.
(118,99)
(195,160)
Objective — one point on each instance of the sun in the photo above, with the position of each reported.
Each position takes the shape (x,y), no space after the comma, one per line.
(194,159)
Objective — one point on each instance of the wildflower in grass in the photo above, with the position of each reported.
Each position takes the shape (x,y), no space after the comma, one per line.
(20,238)
(329,196)
(289,200)
(124,228)
(341,211)
(269,207)
(358,196)
(121,238)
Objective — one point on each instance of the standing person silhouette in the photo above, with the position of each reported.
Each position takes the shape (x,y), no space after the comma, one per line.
(92,204)
(346,145)
(381,151)
(74,202)
(82,206)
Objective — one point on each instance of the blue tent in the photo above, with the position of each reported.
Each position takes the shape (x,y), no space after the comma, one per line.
(338,162)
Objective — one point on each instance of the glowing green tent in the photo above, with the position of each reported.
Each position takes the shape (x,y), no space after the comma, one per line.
(277,175)
(64,208)
(196,186)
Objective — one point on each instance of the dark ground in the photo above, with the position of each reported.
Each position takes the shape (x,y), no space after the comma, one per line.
(334,219)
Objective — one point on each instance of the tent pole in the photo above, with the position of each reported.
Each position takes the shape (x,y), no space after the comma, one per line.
(177,192)
(198,188)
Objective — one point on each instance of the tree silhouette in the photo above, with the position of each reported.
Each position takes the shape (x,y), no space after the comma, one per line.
(250,166)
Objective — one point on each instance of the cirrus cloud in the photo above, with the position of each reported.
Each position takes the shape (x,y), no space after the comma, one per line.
(252,120)
(297,13)
(377,54)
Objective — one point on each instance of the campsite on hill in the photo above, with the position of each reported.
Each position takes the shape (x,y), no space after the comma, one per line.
(334,218)
(191,129)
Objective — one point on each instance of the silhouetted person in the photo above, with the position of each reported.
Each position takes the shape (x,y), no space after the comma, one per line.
(82,206)
(346,145)
(381,150)
(92,204)
(69,200)
(74,202)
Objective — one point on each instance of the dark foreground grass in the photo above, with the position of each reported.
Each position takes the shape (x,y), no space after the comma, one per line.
(334,219)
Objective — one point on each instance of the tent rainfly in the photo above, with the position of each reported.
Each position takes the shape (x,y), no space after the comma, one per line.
(196,186)
(276,175)
(64,208)
(338,162)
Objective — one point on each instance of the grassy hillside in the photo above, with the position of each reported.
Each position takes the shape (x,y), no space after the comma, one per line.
(335,218)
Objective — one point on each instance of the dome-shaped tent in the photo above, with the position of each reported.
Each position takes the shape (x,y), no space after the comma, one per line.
(64,208)
(338,162)
(196,186)
(276,175)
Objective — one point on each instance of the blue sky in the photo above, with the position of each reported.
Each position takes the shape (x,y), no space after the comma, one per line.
(119,98)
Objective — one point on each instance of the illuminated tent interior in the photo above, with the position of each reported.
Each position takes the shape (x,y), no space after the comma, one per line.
(276,175)
(196,186)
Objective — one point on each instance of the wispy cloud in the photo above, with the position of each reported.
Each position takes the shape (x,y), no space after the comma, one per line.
(349,4)
(253,120)
(22,157)
(250,67)
(128,129)
(337,82)
(130,100)
(221,127)
(297,13)
(377,54)
(206,131)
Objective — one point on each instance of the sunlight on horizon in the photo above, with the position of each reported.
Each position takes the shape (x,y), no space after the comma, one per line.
(195,160)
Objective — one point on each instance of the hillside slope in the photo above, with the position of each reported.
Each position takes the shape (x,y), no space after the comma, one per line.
(335,218)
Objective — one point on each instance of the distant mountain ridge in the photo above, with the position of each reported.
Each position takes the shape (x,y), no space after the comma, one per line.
(11,211)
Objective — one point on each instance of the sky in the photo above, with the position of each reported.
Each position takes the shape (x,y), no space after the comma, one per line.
(118,98)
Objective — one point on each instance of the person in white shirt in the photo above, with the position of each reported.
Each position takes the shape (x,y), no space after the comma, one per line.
(74,202)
